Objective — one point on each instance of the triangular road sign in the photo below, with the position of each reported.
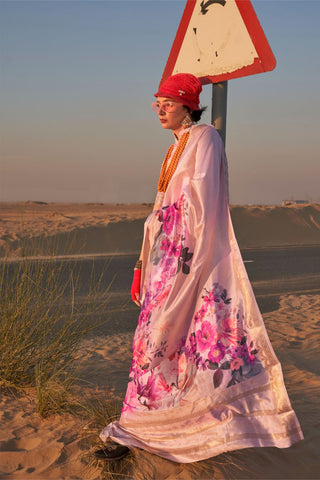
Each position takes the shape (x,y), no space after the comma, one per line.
(218,40)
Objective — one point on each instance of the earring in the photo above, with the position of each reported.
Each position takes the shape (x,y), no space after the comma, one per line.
(187,121)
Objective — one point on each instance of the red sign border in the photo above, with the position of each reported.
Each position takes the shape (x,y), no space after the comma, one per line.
(263,63)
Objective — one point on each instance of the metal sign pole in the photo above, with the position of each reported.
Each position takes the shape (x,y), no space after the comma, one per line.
(219,108)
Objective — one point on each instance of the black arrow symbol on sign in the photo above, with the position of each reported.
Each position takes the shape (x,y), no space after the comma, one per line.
(204,5)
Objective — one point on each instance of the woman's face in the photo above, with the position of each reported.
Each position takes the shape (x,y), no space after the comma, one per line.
(171,113)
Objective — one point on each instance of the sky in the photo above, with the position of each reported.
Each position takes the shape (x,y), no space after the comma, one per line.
(77,80)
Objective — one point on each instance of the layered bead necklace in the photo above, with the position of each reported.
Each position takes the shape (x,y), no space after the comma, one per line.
(167,172)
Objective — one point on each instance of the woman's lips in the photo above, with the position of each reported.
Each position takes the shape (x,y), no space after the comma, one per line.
(163,120)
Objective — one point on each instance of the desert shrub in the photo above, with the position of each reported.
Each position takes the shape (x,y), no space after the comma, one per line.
(42,326)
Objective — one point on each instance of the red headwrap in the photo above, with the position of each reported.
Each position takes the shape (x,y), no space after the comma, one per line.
(183,87)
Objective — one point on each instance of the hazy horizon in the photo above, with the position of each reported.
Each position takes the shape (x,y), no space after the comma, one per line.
(77,81)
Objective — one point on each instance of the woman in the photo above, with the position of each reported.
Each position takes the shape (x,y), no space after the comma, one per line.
(204,378)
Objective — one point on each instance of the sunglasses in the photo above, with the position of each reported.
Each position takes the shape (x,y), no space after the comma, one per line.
(165,106)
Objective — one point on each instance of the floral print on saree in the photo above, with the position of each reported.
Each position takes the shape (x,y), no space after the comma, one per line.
(215,341)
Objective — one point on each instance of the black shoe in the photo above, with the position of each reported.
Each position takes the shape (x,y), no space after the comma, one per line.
(112,451)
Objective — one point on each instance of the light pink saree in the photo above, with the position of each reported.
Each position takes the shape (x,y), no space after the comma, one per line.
(204,378)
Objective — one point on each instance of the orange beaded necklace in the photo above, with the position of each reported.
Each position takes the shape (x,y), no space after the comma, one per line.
(167,173)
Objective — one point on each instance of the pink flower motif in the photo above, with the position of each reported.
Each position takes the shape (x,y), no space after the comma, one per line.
(157,286)
(243,352)
(211,298)
(201,313)
(251,359)
(174,250)
(236,363)
(170,249)
(217,352)
(201,363)
(238,351)
(144,315)
(170,218)
(230,330)
(191,348)
(165,244)
(154,390)
(206,336)
(139,357)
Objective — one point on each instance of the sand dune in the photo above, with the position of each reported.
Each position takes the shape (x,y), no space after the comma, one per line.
(40,228)
(37,228)
(272,226)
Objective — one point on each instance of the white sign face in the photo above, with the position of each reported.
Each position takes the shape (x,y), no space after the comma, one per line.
(218,40)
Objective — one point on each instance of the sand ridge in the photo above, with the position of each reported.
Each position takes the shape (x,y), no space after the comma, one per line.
(39,228)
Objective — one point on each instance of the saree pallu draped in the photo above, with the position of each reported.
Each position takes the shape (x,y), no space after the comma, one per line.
(204,378)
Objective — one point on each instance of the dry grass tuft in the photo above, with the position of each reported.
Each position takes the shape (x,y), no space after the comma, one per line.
(42,329)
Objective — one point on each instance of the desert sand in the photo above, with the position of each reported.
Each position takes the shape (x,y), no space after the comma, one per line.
(54,448)
(39,228)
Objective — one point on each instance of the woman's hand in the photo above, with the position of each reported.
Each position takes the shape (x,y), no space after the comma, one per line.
(135,287)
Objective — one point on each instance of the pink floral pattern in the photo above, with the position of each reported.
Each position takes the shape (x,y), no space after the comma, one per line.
(169,257)
(220,342)
(214,342)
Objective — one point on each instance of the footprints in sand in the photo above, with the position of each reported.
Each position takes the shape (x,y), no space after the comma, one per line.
(21,444)
(23,439)
(26,462)
(29,445)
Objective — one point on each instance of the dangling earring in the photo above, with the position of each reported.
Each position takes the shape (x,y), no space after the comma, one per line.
(187,121)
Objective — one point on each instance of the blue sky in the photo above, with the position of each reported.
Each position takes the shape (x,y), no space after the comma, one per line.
(77,79)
